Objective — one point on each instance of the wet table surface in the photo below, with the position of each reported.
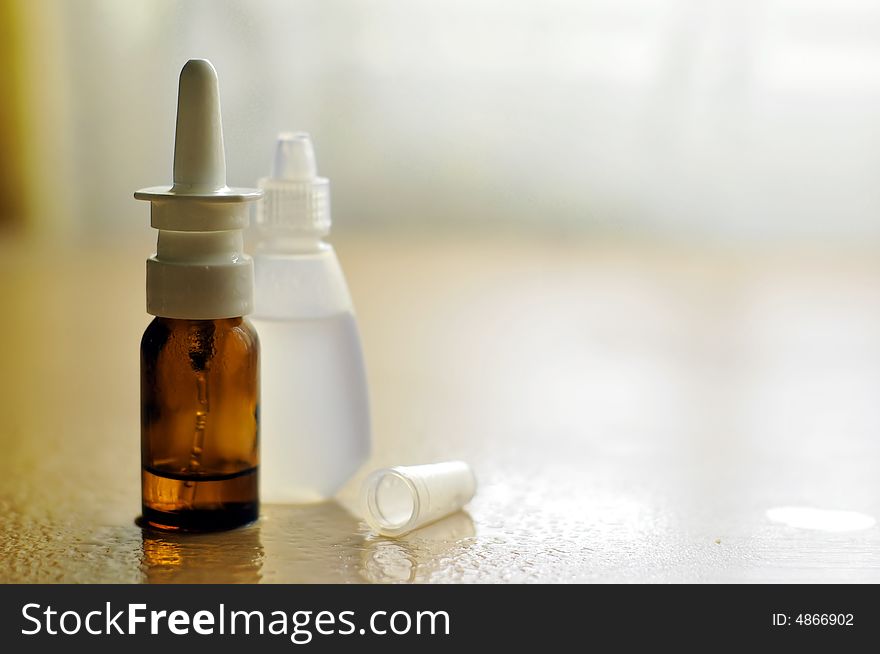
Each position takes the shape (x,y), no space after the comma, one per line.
(633,414)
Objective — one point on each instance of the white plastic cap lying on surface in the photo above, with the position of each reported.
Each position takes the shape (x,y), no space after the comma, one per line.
(399,499)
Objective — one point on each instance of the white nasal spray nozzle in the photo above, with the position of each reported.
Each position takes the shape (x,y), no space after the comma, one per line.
(199,271)
(296,202)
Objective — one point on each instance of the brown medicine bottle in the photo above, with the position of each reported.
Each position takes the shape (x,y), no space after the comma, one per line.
(199,356)
(199,423)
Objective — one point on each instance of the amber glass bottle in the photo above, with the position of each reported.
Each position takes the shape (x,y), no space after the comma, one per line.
(199,423)
(199,357)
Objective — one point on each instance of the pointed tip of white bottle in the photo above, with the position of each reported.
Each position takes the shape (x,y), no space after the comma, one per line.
(199,157)
(294,157)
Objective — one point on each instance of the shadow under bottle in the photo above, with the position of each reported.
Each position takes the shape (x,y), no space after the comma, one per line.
(199,424)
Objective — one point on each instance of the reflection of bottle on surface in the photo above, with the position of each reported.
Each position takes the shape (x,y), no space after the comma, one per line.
(309,543)
(232,557)
(315,423)
(199,356)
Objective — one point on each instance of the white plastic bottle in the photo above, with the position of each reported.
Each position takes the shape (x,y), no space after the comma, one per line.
(314,413)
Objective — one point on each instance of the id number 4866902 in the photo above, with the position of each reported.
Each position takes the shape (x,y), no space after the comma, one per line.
(813,620)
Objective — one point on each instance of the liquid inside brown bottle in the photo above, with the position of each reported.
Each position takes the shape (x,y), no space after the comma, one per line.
(199,424)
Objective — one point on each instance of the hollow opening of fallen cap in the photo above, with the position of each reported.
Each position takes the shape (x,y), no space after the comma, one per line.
(392,501)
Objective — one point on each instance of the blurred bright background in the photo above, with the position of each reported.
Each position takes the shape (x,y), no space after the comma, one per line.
(623,256)
(698,119)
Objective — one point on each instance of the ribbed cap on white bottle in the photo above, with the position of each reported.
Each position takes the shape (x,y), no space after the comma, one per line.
(296,202)
(199,271)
